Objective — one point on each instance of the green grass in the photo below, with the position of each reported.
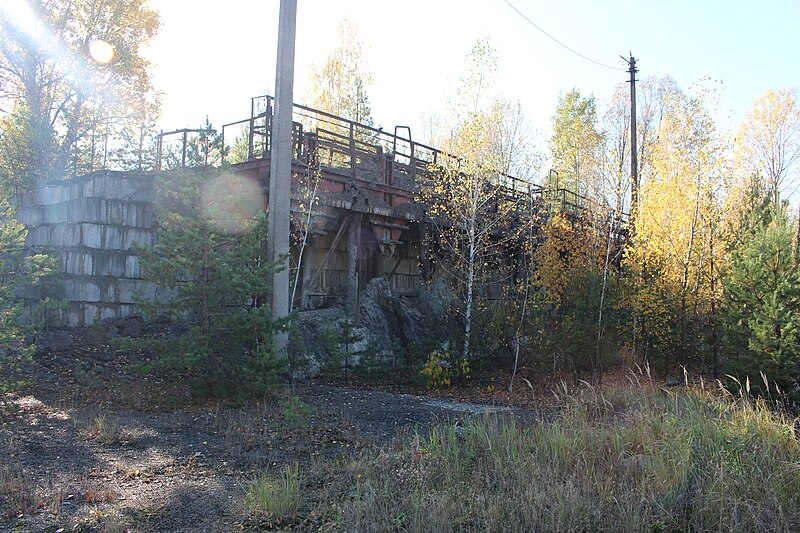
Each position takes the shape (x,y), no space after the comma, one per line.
(637,459)
(275,499)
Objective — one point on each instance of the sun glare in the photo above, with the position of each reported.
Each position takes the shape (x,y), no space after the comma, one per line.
(232,201)
(101,51)
(22,16)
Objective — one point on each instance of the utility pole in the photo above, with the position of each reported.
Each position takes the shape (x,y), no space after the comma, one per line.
(634,149)
(638,322)
(280,166)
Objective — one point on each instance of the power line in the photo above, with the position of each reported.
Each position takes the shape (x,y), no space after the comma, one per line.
(532,23)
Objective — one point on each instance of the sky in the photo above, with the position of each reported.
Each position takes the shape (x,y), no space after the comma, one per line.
(210,57)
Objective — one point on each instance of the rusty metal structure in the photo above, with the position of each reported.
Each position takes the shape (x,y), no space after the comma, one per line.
(361,186)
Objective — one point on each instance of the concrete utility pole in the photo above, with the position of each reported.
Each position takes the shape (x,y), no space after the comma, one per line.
(634,149)
(280,167)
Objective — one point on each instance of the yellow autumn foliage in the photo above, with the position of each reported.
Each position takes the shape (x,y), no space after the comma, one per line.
(566,254)
(676,248)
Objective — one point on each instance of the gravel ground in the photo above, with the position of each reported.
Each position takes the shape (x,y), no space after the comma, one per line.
(92,449)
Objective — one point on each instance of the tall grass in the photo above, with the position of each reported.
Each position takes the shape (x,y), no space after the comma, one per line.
(275,498)
(631,460)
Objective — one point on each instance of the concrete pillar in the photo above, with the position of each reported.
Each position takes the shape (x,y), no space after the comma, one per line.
(280,175)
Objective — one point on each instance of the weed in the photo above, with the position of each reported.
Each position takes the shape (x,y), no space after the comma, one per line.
(275,499)
(618,460)
(107,430)
(17,492)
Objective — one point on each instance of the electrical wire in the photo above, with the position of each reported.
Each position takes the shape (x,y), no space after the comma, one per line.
(532,23)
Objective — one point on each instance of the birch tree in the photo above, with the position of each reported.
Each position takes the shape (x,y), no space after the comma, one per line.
(576,143)
(675,248)
(467,200)
(768,141)
(339,86)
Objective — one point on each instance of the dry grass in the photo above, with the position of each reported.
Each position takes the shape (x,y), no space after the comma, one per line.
(631,459)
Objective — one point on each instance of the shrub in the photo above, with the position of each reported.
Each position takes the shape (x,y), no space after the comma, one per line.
(296,412)
(20,267)
(211,275)
(442,369)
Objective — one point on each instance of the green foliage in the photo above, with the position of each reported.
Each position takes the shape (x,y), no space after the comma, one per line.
(37,271)
(214,281)
(574,277)
(296,412)
(202,148)
(762,300)
(575,143)
(239,151)
(443,369)
(275,499)
(71,106)
(15,152)
(340,86)
(343,355)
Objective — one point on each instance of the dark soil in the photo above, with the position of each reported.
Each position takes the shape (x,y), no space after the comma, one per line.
(91,448)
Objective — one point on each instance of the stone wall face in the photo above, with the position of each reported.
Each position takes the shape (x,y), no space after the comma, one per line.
(93,223)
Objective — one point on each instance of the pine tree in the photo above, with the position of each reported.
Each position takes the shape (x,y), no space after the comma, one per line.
(762,299)
(212,275)
(19,267)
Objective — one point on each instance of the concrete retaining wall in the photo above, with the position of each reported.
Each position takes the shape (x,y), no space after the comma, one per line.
(93,223)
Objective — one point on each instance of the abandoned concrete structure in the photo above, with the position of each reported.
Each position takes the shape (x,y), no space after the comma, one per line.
(365,221)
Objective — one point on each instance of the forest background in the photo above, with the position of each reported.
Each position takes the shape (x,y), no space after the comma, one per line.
(708,279)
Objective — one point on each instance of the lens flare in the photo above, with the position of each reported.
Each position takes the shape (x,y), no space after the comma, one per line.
(101,51)
(231,201)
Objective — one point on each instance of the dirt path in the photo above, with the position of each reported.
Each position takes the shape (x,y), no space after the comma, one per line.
(380,416)
(91,456)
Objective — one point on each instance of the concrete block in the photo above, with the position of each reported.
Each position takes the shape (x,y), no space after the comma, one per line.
(73,317)
(30,216)
(61,235)
(100,263)
(50,195)
(54,213)
(39,236)
(92,235)
(115,212)
(128,290)
(108,311)
(71,236)
(87,187)
(88,264)
(130,214)
(82,290)
(91,314)
(88,210)
(115,186)
(113,237)
(140,237)
(147,219)
(109,291)
(72,263)
(108,263)
(132,267)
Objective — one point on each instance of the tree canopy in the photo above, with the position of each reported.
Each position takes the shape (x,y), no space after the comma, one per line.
(339,86)
(71,73)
